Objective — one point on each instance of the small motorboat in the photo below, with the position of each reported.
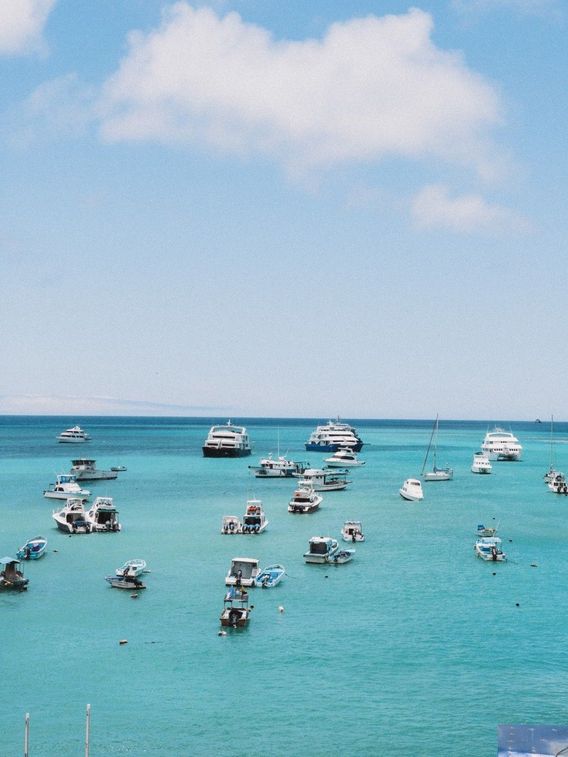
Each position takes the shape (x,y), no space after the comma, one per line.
(342,556)
(344,457)
(487,531)
(85,469)
(558,485)
(102,516)
(132,568)
(489,548)
(231,524)
(236,610)
(66,486)
(118,468)
(270,576)
(352,531)
(321,549)
(33,549)
(411,490)
(304,500)
(481,463)
(132,583)
(73,435)
(71,518)
(325,480)
(242,572)
(11,576)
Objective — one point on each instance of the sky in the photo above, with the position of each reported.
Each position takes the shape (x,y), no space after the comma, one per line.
(299,209)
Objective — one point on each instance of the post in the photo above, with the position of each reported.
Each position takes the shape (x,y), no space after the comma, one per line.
(27,735)
(87,730)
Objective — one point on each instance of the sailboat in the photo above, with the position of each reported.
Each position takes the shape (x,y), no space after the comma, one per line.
(436,474)
(552,474)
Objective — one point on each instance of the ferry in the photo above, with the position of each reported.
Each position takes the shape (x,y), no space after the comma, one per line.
(227,441)
(501,445)
(333,436)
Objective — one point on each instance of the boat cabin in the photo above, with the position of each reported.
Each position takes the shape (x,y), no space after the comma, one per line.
(11,576)
(242,572)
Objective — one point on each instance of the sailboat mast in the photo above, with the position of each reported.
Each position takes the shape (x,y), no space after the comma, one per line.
(429,446)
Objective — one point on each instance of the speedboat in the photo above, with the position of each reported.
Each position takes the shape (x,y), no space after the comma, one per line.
(11,576)
(352,531)
(254,519)
(558,485)
(435,473)
(304,500)
(411,490)
(321,549)
(231,524)
(132,583)
(279,467)
(33,549)
(324,480)
(74,435)
(487,531)
(71,518)
(270,576)
(489,548)
(342,556)
(66,486)
(236,610)
(501,445)
(118,468)
(333,435)
(242,572)
(480,463)
(344,457)
(551,475)
(103,515)
(132,568)
(227,441)
(85,469)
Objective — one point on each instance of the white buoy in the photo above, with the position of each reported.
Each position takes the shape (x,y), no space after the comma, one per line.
(123,641)
(222,633)
(281,608)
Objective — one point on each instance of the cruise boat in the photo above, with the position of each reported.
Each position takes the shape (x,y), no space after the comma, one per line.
(480,463)
(343,458)
(85,469)
(66,486)
(501,445)
(332,436)
(74,435)
(236,610)
(411,490)
(352,531)
(324,480)
(489,548)
(242,572)
(11,576)
(279,467)
(103,515)
(304,500)
(227,441)
(71,518)
(321,549)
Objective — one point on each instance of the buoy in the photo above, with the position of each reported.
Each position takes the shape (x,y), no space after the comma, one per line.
(280,608)
(134,596)
(222,633)
(123,641)
(534,565)
(56,550)
(494,574)
(517,604)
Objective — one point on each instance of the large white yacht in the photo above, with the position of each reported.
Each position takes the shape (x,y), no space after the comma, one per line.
(501,445)
(333,436)
(227,441)
(74,435)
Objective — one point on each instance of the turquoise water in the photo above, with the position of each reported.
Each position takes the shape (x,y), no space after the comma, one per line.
(415,647)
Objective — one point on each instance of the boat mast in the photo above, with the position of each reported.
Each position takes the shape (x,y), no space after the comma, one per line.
(429,446)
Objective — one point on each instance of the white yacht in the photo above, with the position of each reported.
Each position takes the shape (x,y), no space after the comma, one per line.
(71,518)
(321,549)
(344,457)
(333,435)
(411,490)
(227,441)
(85,469)
(324,480)
(279,467)
(74,435)
(103,515)
(480,463)
(66,486)
(501,445)
(304,500)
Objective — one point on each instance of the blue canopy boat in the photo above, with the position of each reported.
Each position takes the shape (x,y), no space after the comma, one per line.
(33,549)
(270,576)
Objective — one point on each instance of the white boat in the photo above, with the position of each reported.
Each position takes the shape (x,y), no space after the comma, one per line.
(66,486)
(236,610)
(411,490)
(321,549)
(304,500)
(352,531)
(333,435)
(270,576)
(254,519)
(103,515)
(279,467)
(552,473)
(132,569)
(85,469)
(342,458)
(480,463)
(71,518)
(435,473)
(501,445)
(131,583)
(559,485)
(118,468)
(489,548)
(342,556)
(242,572)
(74,435)
(487,531)
(227,441)
(324,480)
(231,524)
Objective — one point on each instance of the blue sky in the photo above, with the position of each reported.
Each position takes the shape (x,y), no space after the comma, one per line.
(285,209)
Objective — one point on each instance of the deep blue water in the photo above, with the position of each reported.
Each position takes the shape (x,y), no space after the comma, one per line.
(415,647)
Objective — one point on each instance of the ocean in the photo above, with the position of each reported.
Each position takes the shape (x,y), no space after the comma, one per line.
(415,647)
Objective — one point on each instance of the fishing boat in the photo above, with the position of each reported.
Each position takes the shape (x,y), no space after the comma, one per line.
(103,515)
(489,548)
(71,518)
(132,568)
(325,480)
(33,549)
(66,486)
(132,583)
(501,445)
(270,576)
(352,531)
(342,458)
(435,473)
(74,435)
(85,469)
(411,490)
(236,610)
(480,463)
(342,556)
(11,576)
(487,531)
(227,441)
(242,572)
(304,500)
(321,549)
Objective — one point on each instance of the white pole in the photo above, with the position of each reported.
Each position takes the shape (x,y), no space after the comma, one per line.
(27,735)
(87,730)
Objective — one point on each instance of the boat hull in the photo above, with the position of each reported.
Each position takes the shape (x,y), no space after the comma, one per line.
(439,475)
(314,447)
(125,583)
(213,452)
(303,509)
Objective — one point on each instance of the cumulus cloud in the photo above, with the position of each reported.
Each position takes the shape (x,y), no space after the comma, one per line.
(433,207)
(21,25)
(370,88)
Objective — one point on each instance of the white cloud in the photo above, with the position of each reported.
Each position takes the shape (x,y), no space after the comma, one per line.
(37,404)
(21,25)
(371,88)
(433,207)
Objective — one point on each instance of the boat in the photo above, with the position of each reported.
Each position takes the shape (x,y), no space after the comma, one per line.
(236,610)
(435,474)
(487,531)
(352,531)
(132,583)
(132,568)
(74,435)
(325,480)
(66,486)
(254,520)
(85,469)
(279,467)
(227,441)
(342,556)
(304,500)
(333,435)
(103,515)
(11,576)
(501,445)
(33,549)
(71,518)
(480,463)
(552,472)
(558,485)
(118,468)
(242,572)
(231,524)
(344,457)
(411,490)
(270,576)
(321,549)
(489,548)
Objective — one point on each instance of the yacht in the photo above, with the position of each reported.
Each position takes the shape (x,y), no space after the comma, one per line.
(279,467)
(66,486)
(227,441)
(74,435)
(304,500)
(71,518)
(480,463)
(411,490)
(103,515)
(324,480)
(344,457)
(501,445)
(85,469)
(333,435)
(321,549)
